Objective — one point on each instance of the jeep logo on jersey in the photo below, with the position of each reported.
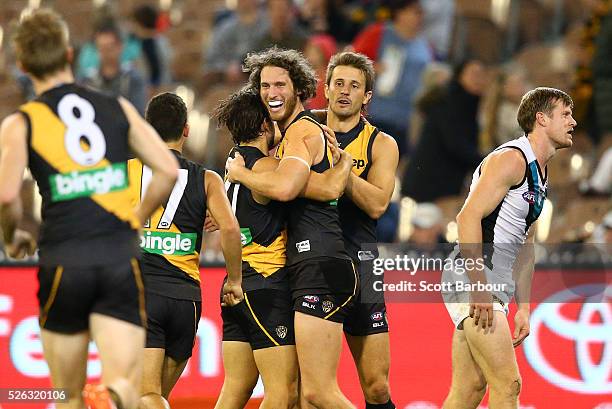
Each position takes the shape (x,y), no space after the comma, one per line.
(67,186)
(281,331)
(529,197)
(166,243)
(377,316)
(358,163)
(311,298)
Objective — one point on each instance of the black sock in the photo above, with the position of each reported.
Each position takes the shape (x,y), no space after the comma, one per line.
(388,405)
(115,397)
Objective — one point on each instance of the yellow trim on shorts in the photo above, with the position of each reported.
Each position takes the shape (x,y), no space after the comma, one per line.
(141,295)
(348,299)
(246,298)
(56,282)
(195,323)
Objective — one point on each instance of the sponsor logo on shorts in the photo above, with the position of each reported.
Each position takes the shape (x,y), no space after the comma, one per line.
(365,255)
(303,246)
(307,305)
(377,316)
(281,331)
(327,306)
(311,298)
(85,183)
(529,197)
(167,243)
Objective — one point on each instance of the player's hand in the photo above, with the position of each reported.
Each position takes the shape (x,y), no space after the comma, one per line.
(210,224)
(232,294)
(521,327)
(22,245)
(481,308)
(332,142)
(232,165)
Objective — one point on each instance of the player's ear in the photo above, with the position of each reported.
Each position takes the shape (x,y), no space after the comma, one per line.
(367,98)
(186,130)
(326,89)
(70,55)
(541,119)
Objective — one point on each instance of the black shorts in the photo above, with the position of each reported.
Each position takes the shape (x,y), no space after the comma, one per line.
(263,319)
(172,325)
(368,314)
(323,287)
(67,296)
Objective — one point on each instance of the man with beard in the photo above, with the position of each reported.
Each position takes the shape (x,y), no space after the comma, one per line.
(323,280)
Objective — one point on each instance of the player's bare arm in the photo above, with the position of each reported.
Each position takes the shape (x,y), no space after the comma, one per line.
(523,273)
(501,171)
(374,194)
(153,152)
(303,147)
(221,210)
(330,184)
(13,161)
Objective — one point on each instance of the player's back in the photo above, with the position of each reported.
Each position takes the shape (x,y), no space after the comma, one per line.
(77,152)
(313,226)
(262,231)
(172,238)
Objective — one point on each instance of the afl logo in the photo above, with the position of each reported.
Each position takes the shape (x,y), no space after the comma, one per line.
(529,197)
(377,316)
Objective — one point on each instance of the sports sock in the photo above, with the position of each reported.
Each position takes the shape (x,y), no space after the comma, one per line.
(388,405)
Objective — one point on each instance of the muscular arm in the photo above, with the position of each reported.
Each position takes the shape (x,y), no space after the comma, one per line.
(302,147)
(220,209)
(330,184)
(151,150)
(373,195)
(13,161)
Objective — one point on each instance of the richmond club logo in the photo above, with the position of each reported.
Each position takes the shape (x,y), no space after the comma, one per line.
(579,321)
(327,306)
(281,331)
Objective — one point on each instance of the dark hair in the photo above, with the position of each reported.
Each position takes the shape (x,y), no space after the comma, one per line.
(41,43)
(167,113)
(541,99)
(146,16)
(300,71)
(355,60)
(108,26)
(243,114)
(397,5)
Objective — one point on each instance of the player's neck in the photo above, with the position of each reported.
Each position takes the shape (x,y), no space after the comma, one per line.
(344,125)
(61,77)
(176,145)
(260,143)
(299,108)
(542,148)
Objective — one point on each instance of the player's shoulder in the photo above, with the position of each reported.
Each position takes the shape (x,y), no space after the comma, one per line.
(304,127)
(506,163)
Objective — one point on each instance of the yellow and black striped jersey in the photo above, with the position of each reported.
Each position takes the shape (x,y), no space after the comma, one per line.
(78,152)
(313,226)
(262,231)
(171,239)
(357,227)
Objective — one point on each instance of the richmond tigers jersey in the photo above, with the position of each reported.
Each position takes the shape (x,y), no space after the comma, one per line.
(357,227)
(77,152)
(171,239)
(262,231)
(313,226)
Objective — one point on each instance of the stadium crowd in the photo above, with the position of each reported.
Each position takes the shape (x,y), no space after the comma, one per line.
(450,75)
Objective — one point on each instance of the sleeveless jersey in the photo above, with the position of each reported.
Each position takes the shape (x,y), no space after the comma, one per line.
(357,227)
(522,205)
(172,238)
(262,231)
(77,152)
(313,226)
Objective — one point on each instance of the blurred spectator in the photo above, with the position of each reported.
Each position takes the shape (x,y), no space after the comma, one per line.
(112,76)
(448,147)
(439,16)
(602,234)
(155,47)
(318,51)
(601,181)
(401,54)
(501,106)
(327,16)
(231,41)
(88,60)
(427,225)
(602,74)
(283,31)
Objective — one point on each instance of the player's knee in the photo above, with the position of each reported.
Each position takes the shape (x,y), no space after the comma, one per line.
(377,391)
(316,398)
(508,386)
(515,386)
(153,401)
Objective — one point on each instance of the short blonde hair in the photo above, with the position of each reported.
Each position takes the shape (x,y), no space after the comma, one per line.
(41,43)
